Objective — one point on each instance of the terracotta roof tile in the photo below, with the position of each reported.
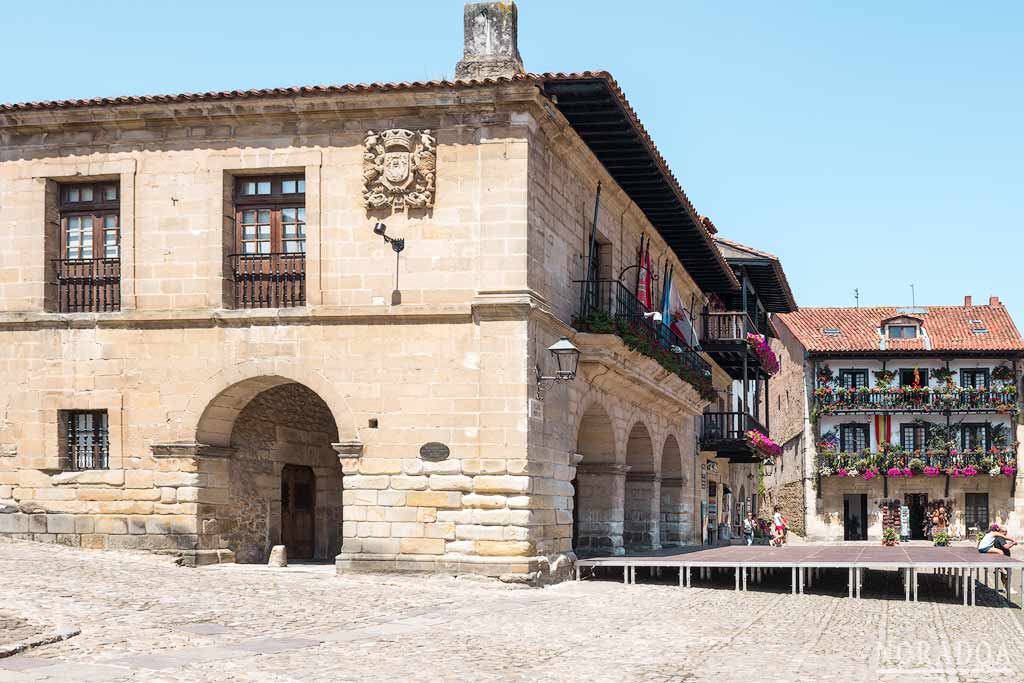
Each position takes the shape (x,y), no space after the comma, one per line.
(948,328)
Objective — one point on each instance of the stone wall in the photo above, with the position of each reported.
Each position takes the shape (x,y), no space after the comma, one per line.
(486,286)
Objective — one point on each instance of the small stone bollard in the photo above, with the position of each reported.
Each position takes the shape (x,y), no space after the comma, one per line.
(278,557)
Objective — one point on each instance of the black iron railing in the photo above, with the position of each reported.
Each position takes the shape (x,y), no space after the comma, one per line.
(909,399)
(728,426)
(268,280)
(610,302)
(88,285)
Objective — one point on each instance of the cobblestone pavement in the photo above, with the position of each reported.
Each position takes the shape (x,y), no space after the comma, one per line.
(144,619)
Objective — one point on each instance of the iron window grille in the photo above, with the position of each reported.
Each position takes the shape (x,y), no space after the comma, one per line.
(88,440)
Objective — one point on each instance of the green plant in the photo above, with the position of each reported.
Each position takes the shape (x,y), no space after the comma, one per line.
(598,322)
(884,378)
(889,536)
(942,539)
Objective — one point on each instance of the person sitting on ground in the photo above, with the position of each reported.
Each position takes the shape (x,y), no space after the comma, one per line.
(996,541)
(748,528)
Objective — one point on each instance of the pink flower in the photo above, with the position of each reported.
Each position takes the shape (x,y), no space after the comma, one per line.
(868,475)
(907,472)
(968,471)
(953,472)
(1009,470)
(931,471)
(843,472)
(894,472)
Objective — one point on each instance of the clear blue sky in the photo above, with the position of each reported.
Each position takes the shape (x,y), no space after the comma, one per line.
(870,146)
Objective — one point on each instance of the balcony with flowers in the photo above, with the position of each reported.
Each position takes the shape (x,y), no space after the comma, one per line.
(895,462)
(945,397)
(736,342)
(738,436)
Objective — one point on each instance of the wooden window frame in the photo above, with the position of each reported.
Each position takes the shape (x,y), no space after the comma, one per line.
(855,373)
(975,372)
(857,426)
(98,209)
(98,457)
(985,436)
(913,427)
(274,202)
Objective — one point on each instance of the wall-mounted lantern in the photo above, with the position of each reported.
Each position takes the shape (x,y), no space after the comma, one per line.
(397,244)
(567,358)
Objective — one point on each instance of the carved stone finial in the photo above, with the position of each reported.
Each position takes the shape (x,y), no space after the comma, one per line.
(399,168)
(491,42)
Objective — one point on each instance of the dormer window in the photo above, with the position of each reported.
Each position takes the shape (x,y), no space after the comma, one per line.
(902,331)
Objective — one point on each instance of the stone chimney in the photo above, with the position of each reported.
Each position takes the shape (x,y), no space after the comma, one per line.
(993,301)
(491,42)
(967,301)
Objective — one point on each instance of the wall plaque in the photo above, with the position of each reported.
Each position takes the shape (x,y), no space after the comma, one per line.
(434,451)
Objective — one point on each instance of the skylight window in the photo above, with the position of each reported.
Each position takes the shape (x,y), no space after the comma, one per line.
(831,331)
(980,330)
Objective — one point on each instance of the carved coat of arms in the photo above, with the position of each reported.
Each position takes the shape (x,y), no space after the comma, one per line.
(398,168)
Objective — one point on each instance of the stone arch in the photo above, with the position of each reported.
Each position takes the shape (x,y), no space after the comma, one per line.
(676,502)
(218,399)
(272,476)
(598,486)
(642,491)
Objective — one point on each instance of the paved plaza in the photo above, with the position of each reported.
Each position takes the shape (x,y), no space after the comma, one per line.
(144,619)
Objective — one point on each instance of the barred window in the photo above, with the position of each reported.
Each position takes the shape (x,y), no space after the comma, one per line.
(87,445)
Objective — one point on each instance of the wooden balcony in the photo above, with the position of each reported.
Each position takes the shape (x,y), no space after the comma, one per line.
(269,280)
(88,285)
(724,433)
(724,338)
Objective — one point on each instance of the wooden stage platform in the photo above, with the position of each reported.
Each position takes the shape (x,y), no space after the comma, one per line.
(960,566)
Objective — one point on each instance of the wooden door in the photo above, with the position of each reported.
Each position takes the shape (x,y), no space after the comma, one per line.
(298,511)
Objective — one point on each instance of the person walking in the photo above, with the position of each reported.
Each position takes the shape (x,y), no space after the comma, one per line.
(779,526)
(748,528)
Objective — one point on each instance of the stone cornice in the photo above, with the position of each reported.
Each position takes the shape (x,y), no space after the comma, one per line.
(602,468)
(202,318)
(348,449)
(342,105)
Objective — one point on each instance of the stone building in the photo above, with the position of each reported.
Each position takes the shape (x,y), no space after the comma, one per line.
(320,316)
(907,410)
(734,326)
